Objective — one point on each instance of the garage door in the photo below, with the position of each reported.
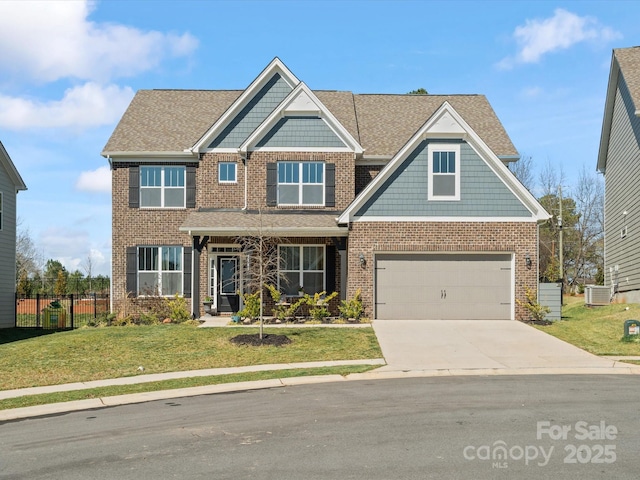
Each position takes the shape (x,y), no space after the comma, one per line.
(443,286)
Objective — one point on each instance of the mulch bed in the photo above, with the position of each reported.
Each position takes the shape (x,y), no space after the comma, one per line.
(253,340)
(538,322)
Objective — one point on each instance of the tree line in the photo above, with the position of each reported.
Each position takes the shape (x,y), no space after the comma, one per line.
(577,218)
(33,276)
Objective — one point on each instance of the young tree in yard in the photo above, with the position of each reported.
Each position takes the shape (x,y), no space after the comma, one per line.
(261,254)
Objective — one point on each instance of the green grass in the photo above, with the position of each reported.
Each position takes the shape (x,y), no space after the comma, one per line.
(598,330)
(32,400)
(113,352)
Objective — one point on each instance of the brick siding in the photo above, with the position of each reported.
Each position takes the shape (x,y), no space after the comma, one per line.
(519,238)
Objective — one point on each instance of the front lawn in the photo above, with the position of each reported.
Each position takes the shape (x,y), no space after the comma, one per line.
(595,329)
(32,359)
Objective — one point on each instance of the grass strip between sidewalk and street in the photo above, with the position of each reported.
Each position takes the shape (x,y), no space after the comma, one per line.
(58,397)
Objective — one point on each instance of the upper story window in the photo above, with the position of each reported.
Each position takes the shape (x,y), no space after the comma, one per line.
(301,183)
(162,187)
(444,171)
(227,172)
(160,271)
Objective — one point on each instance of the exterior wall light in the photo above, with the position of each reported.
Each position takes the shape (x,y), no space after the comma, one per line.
(363,261)
(527,261)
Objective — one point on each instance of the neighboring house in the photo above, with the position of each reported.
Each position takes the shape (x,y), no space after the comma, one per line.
(406,197)
(10,184)
(619,161)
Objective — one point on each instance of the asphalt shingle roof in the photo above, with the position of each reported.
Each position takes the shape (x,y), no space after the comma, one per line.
(237,222)
(174,120)
(629,61)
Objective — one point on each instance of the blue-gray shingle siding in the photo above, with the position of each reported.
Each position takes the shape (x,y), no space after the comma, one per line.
(301,132)
(482,193)
(253,114)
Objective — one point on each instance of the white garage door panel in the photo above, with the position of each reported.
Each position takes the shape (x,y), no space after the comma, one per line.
(443,286)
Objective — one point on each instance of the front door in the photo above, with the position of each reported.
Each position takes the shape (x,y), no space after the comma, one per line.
(228,284)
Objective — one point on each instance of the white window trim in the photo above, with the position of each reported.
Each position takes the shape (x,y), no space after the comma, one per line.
(301,184)
(159,272)
(301,271)
(162,188)
(443,147)
(235,173)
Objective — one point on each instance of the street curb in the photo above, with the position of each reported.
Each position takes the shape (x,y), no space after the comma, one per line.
(78,405)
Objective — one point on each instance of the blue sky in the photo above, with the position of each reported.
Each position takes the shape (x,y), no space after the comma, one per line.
(68,70)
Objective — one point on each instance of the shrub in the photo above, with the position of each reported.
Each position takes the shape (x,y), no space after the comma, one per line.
(353,307)
(537,311)
(251,305)
(318,304)
(178,310)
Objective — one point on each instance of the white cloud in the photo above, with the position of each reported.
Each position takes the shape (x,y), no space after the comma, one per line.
(98,180)
(560,32)
(84,106)
(531,92)
(50,40)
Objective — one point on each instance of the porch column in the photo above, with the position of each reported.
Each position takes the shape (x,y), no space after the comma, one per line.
(341,244)
(195,274)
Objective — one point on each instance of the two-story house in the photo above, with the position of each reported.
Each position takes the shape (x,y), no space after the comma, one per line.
(406,197)
(10,184)
(619,161)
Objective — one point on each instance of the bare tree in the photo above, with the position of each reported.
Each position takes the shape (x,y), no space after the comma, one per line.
(28,260)
(588,252)
(550,177)
(523,170)
(87,266)
(262,262)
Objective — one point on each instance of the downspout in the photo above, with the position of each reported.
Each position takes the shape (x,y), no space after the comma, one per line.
(243,156)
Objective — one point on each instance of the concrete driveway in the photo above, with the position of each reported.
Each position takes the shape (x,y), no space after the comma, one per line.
(492,345)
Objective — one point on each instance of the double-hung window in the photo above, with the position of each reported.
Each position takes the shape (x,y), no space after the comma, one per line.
(227,172)
(301,183)
(302,268)
(160,271)
(162,187)
(444,171)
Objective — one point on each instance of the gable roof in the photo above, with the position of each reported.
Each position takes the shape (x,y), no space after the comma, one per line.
(302,101)
(625,65)
(182,122)
(446,122)
(14,176)
(275,67)
(387,122)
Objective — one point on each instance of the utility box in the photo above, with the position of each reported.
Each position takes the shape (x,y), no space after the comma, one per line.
(54,316)
(550,295)
(631,327)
